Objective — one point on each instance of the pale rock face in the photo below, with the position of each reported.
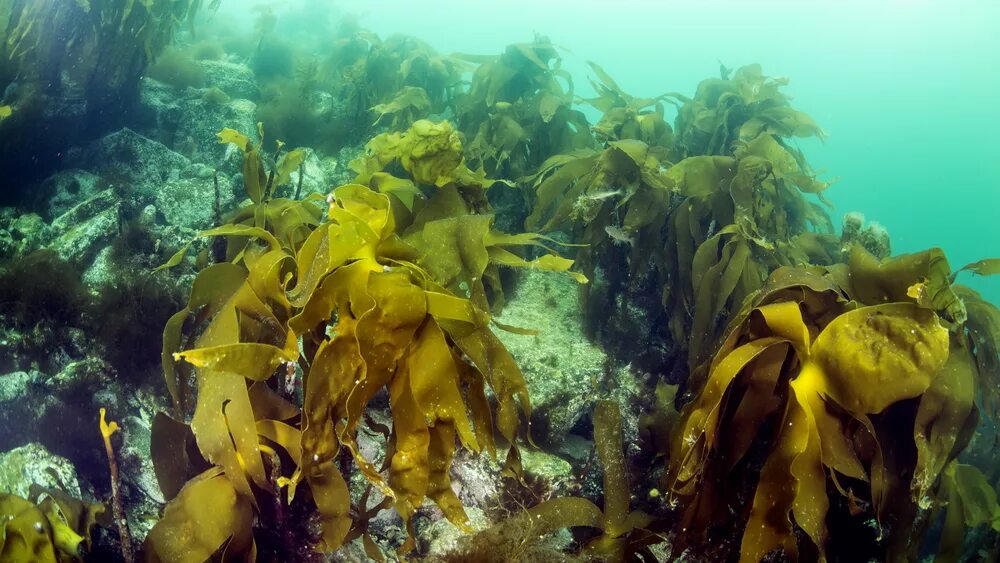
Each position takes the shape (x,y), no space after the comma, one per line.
(34,464)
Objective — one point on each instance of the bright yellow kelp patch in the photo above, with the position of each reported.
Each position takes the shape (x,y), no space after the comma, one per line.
(356,305)
(52,527)
(824,361)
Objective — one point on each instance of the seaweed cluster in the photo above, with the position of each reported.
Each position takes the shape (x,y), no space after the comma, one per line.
(385,288)
(858,381)
(809,386)
(775,327)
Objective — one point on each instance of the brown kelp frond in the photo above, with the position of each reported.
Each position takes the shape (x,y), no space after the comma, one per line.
(627,117)
(971,502)
(710,227)
(724,110)
(857,384)
(49,526)
(623,537)
(361,304)
(517,111)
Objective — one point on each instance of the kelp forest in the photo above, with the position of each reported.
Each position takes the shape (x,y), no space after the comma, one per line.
(267,297)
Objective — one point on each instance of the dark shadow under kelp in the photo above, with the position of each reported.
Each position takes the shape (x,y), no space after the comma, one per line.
(809,387)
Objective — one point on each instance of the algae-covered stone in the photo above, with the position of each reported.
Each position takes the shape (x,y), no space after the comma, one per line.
(441,536)
(134,163)
(81,232)
(236,80)
(67,188)
(561,367)
(201,120)
(79,378)
(314,178)
(20,233)
(191,200)
(32,464)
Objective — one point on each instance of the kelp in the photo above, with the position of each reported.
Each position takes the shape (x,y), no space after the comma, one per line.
(708,229)
(742,107)
(51,526)
(624,535)
(401,75)
(971,502)
(517,111)
(359,306)
(444,211)
(627,117)
(824,362)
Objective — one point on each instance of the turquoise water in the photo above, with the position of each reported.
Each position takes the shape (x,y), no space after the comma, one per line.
(906,90)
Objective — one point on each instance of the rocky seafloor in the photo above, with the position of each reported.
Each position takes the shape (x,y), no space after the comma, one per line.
(81,312)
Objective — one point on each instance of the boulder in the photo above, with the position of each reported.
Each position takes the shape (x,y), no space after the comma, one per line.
(20,233)
(33,464)
(235,79)
(82,231)
(562,368)
(135,164)
(200,122)
(191,200)
(66,188)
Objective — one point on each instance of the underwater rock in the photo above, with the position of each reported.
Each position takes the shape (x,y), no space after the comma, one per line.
(22,405)
(191,200)
(236,80)
(145,500)
(66,188)
(561,367)
(554,470)
(78,377)
(20,233)
(84,230)
(158,110)
(314,178)
(131,162)
(441,536)
(196,137)
(33,464)
(338,171)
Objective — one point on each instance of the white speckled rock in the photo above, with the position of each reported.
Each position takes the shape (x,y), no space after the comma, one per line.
(134,163)
(68,188)
(32,464)
(80,233)
(561,366)
(198,126)
(190,200)
(236,80)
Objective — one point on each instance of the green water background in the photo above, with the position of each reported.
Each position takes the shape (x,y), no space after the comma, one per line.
(908,91)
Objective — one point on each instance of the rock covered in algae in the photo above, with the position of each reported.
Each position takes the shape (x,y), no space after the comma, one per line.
(67,188)
(235,79)
(128,158)
(33,464)
(190,200)
(87,227)
(561,366)
(20,233)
